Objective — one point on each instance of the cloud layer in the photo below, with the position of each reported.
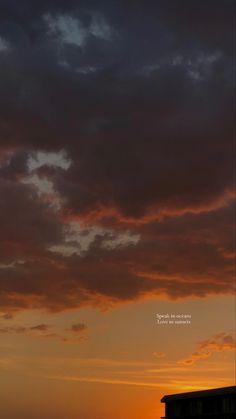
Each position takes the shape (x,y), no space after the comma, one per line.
(117,152)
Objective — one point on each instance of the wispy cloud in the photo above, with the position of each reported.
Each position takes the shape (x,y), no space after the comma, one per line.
(159,354)
(78,328)
(45,331)
(218,343)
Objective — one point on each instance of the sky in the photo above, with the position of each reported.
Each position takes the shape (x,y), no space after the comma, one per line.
(117,205)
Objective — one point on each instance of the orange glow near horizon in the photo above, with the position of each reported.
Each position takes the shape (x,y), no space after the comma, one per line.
(125,360)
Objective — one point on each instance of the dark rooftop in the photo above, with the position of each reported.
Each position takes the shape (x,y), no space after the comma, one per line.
(202,393)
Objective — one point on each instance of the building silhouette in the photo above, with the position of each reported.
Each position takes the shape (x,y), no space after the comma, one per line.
(219,403)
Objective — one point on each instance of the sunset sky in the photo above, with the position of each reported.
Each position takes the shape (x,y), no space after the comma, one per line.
(117,204)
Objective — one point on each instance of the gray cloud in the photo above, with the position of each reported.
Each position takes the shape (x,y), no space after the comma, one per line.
(140,98)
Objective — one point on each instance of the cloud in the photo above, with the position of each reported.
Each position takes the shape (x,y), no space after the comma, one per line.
(78,328)
(78,239)
(159,354)
(27,228)
(104,277)
(40,327)
(71,30)
(44,331)
(218,343)
(13,329)
(107,381)
(3,45)
(40,159)
(26,330)
(7,316)
(117,152)
(67,28)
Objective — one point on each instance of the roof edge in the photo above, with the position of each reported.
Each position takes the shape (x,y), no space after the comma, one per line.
(201,393)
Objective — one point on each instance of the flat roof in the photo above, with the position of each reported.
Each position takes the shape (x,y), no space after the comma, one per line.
(202,393)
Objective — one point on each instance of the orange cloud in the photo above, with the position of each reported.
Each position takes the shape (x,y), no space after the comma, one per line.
(159,354)
(219,343)
(102,214)
(104,276)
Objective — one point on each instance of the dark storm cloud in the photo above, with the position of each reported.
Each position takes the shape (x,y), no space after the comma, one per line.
(27,224)
(177,258)
(146,128)
(15,166)
(196,19)
(140,96)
